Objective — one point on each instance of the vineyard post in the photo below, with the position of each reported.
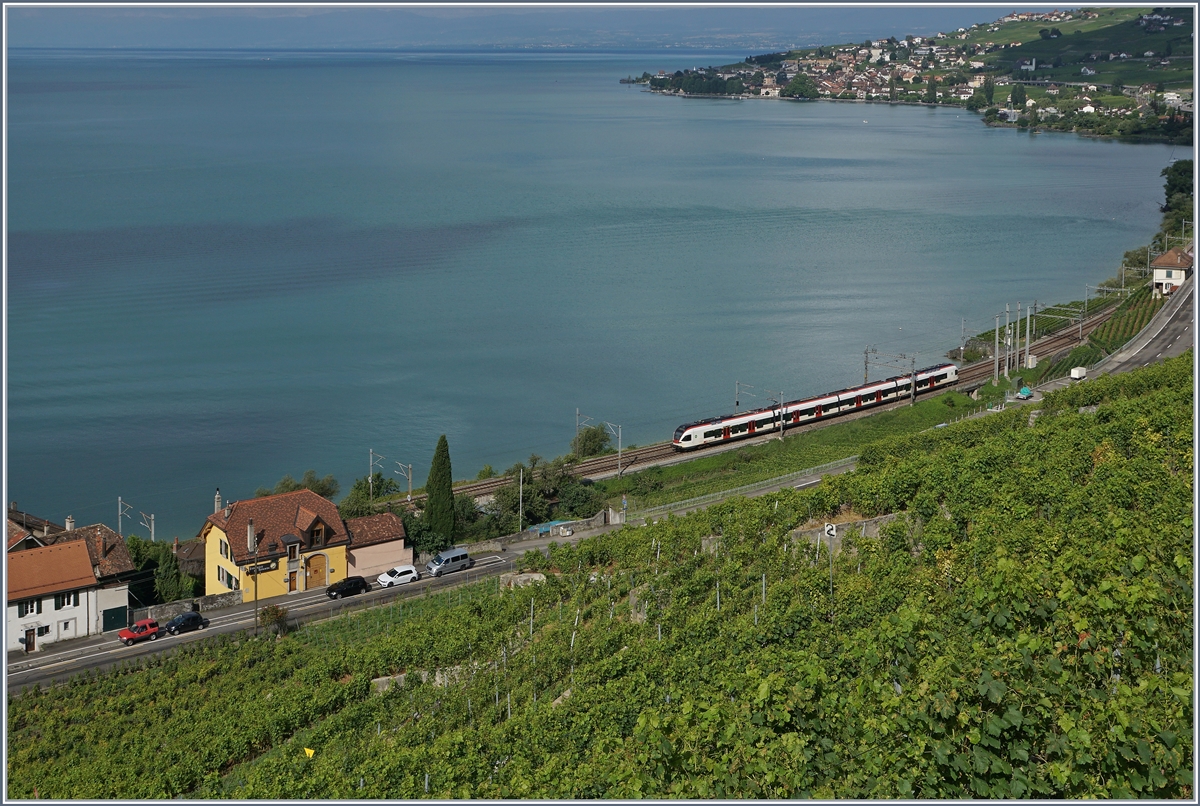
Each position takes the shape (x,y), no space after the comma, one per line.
(764,588)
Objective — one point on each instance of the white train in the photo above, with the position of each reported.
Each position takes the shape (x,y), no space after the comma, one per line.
(798,412)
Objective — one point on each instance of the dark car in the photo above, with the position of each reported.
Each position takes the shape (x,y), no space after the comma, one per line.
(347,587)
(185,622)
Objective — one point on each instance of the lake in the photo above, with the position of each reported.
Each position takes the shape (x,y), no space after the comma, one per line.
(227,267)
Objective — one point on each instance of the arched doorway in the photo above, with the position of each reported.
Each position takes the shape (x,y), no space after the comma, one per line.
(315,565)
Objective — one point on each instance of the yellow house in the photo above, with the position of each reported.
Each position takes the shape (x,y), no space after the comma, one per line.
(274,545)
(293,542)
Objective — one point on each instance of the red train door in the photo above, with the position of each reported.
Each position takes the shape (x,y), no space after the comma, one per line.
(818,411)
(751,426)
(858,401)
(796,416)
(878,395)
(725,433)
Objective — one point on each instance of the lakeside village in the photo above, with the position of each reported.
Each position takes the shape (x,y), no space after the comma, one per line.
(1082,81)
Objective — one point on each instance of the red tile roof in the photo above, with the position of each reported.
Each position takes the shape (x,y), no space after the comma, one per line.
(51,569)
(15,533)
(106,548)
(375,529)
(1175,258)
(276,516)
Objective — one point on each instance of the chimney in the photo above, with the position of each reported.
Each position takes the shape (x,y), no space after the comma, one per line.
(228,510)
(175,549)
(250,547)
(70,524)
(217,502)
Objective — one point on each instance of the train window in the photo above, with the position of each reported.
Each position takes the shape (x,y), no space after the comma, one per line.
(712,434)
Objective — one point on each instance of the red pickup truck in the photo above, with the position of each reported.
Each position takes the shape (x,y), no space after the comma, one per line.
(140,631)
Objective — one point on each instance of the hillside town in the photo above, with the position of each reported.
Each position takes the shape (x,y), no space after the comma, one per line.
(967,68)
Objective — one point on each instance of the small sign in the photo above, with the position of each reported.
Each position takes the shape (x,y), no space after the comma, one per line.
(830,531)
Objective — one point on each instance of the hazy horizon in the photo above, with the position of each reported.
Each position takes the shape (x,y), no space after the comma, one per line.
(758,29)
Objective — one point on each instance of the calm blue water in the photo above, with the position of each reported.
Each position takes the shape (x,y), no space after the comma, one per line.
(223,269)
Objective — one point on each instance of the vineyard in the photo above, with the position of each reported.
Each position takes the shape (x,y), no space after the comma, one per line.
(1127,321)
(1023,629)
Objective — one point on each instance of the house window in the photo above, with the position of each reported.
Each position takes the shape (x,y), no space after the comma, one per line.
(1170,273)
(43,631)
(294,551)
(227,579)
(224,549)
(62,600)
(318,534)
(29,607)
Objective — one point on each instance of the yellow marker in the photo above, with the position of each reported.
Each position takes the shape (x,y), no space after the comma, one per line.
(308,752)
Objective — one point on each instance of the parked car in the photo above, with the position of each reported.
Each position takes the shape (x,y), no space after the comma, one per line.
(1024,394)
(449,560)
(140,631)
(399,576)
(349,586)
(186,622)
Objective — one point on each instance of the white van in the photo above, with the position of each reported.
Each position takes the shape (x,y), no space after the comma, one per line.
(447,561)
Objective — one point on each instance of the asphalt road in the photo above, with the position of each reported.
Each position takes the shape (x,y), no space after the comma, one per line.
(62,660)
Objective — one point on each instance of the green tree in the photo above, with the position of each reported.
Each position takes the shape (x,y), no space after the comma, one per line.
(439,492)
(486,473)
(931,91)
(802,86)
(168,583)
(359,502)
(592,440)
(892,94)
(977,101)
(1017,96)
(326,487)
(989,89)
(1179,178)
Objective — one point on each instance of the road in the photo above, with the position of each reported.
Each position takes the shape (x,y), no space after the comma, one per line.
(64,659)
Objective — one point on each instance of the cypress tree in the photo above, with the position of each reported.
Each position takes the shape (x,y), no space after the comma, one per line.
(439,503)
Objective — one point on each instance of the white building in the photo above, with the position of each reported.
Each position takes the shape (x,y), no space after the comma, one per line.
(1171,268)
(54,594)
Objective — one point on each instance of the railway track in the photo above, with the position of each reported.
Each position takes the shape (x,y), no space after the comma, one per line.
(969,377)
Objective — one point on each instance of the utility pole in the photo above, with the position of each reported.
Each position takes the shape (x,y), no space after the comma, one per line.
(910,364)
(1017,339)
(914,380)
(521,502)
(737,393)
(148,522)
(780,415)
(578,421)
(122,509)
(1007,339)
(376,460)
(996,354)
(406,471)
(962,348)
(865,351)
(615,430)
(1028,322)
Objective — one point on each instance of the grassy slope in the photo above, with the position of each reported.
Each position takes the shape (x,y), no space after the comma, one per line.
(971,655)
